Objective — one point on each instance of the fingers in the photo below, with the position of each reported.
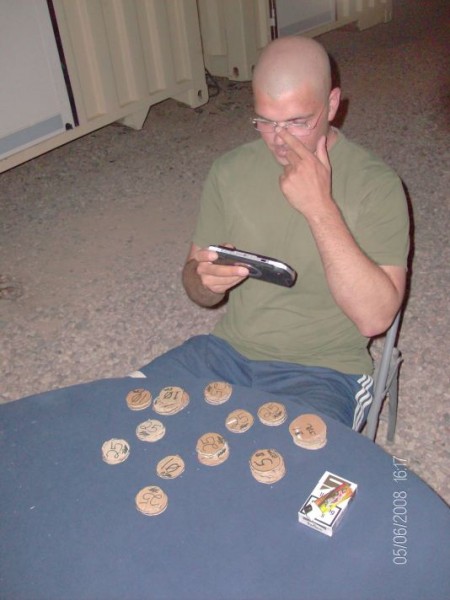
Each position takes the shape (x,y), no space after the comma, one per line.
(298,150)
(206,255)
(221,278)
(211,269)
(215,277)
(294,143)
(306,178)
(322,152)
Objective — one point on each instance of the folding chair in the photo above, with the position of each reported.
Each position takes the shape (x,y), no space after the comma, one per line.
(386,384)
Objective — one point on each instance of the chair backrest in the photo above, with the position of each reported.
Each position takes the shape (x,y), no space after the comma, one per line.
(386,382)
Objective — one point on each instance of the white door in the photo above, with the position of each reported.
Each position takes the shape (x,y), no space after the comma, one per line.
(300,16)
(34,103)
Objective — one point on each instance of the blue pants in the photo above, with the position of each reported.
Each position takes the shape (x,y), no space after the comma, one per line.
(343,397)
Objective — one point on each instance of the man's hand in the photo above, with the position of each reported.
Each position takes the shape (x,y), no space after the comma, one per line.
(369,294)
(217,278)
(207,283)
(306,181)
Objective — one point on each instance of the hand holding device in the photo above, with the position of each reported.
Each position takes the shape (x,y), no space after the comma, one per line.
(217,278)
(259,266)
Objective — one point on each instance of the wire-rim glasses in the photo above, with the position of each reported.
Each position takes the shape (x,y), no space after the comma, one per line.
(299,126)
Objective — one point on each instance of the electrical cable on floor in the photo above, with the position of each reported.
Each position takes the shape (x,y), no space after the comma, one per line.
(212,84)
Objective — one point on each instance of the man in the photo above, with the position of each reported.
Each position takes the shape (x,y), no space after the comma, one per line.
(305,195)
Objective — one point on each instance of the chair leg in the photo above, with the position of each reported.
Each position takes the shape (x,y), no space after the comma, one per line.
(392,406)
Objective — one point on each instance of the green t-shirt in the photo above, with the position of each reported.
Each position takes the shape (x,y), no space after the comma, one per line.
(242,204)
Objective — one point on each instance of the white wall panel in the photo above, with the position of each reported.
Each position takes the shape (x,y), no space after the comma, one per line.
(34,104)
(122,57)
(233,34)
(235,31)
(365,13)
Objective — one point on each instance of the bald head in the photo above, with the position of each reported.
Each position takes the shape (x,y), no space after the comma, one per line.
(292,63)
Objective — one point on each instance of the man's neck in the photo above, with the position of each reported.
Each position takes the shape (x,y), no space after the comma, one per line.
(332,137)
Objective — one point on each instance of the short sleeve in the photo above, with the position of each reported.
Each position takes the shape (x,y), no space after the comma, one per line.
(210,228)
(382,229)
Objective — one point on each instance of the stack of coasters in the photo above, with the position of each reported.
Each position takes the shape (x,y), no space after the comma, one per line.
(239,421)
(327,503)
(151,501)
(218,392)
(139,399)
(170,400)
(212,449)
(115,451)
(150,431)
(272,413)
(309,431)
(170,467)
(267,466)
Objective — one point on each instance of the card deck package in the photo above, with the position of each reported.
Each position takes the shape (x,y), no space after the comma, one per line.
(327,503)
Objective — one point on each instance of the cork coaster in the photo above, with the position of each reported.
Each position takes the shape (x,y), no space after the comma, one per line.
(212,449)
(267,466)
(272,413)
(139,399)
(239,421)
(218,392)
(150,430)
(170,400)
(309,431)
(170,467)
(115,451)
(151,501)
(216,460)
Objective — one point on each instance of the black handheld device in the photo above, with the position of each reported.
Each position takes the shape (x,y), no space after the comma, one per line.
(259,266)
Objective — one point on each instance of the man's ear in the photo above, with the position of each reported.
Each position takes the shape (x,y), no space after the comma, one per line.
(333,100)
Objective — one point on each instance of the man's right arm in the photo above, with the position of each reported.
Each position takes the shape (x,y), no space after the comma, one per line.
(205,282)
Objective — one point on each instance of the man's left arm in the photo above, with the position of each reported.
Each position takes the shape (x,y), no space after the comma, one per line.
(369,294)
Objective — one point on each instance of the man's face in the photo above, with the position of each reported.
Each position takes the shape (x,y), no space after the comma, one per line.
(306,108)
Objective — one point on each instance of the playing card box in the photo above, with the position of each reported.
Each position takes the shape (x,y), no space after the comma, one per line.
(327,503)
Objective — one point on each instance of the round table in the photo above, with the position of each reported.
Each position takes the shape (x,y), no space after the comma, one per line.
(70,529)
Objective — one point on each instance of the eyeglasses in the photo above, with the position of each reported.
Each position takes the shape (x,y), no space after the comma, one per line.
(299,126)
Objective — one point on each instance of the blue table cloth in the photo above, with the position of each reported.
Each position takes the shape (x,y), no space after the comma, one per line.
(69,528)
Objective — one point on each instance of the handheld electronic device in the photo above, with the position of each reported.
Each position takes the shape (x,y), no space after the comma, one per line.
(260,267)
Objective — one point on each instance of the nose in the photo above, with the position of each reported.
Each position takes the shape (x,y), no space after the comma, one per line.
(277,130)
(278,127)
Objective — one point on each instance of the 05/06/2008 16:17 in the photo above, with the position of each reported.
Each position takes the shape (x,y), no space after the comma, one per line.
(399,512)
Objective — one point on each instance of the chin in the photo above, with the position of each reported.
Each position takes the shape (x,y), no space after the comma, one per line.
(280,158)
